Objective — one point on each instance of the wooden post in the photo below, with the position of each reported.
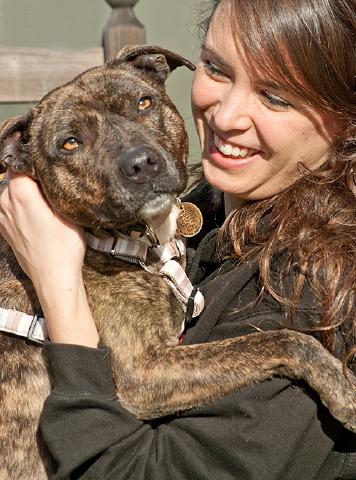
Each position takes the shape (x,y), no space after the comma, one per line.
(122,28)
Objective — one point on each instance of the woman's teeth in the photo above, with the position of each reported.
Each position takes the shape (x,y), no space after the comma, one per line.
(229,150)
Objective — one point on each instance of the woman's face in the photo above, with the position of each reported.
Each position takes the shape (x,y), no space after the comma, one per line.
(253,132)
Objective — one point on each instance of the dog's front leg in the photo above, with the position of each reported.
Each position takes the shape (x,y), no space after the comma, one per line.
(167,380)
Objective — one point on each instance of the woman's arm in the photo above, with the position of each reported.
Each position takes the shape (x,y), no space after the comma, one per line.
(50,250)
(270,431)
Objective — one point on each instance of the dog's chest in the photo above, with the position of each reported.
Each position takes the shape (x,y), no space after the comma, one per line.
(130,304)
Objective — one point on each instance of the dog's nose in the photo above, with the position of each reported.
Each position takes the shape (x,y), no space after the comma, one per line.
(140,164)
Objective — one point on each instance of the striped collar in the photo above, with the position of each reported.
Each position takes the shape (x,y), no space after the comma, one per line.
(134,251)
(33,327)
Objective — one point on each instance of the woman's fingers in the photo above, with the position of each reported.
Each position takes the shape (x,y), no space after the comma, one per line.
(43,242)
(23,189)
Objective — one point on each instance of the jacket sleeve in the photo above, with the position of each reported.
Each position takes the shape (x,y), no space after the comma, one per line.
(271,431)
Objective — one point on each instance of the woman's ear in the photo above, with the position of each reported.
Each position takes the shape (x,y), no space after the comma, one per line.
(13,145)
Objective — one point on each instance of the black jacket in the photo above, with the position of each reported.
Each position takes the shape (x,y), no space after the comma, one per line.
(275,430)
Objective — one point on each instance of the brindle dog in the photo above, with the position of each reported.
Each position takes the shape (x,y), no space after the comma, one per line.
(109,149)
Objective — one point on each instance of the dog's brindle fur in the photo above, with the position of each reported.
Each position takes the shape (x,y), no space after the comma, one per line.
(129,162)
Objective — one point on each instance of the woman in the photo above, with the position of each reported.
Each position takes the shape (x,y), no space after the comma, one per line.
(273,99)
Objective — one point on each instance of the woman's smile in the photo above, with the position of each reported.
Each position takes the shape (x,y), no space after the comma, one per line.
(228,155)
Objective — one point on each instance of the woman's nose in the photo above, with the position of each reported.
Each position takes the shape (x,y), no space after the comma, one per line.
(233,111)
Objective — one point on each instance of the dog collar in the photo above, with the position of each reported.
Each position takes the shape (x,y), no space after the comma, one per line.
(32,327)
(125,248)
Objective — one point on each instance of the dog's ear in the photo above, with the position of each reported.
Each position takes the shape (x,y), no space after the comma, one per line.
(13,145)
(157,60)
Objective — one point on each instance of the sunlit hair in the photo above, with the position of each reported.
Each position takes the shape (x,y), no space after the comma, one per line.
(309,47)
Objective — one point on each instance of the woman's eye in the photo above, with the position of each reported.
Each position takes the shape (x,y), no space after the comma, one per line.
(70,144)
(276,101)
(212,70)
(144,103)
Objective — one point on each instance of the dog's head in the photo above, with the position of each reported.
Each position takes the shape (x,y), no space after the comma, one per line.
(108,148)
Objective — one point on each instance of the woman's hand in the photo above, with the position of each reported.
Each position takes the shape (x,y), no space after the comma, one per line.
(51,251)
(46,245)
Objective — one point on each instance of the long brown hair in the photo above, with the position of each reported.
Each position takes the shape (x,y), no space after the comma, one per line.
(310,45)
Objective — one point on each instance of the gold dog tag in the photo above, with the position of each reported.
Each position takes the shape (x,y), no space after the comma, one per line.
(190,220)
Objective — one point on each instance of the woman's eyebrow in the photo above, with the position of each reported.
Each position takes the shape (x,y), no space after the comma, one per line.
(214,55)
(271,84)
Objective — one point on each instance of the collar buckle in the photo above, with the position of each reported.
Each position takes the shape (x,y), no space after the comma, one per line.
(31,331)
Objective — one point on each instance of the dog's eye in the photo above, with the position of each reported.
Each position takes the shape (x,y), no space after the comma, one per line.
(70,144)
(144,103)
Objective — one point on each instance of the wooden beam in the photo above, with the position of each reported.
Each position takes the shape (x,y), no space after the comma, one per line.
(26,74)
(122,28)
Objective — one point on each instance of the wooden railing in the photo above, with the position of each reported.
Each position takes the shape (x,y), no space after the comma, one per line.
(122,28)
(26,74)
